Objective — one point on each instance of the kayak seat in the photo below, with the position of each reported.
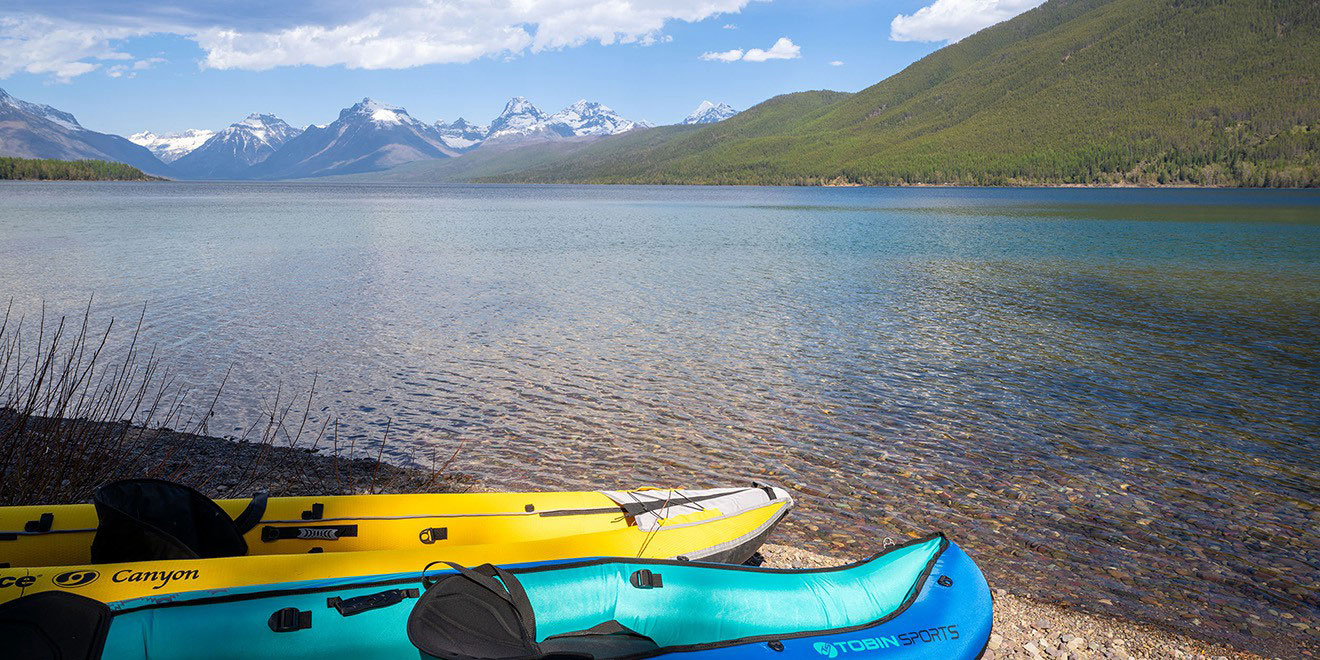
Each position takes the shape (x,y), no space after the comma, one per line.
(484,613)
(54,625)
(152,519)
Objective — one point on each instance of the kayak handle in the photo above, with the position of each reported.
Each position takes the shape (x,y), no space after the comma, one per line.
(359,604)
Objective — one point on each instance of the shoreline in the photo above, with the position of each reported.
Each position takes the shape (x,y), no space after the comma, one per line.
(1024,627)
(332,180)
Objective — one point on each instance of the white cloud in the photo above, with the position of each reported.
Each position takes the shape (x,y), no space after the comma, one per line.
(724,56)
(951,20)
(126,71)
(43,46)
(390,34)
(836,63)
(450,31)
(730,26)
(784,49)
(142,65)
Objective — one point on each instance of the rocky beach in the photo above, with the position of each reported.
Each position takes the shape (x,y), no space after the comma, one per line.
(1024,626)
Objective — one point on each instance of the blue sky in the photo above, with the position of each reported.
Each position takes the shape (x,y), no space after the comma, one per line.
(131,65)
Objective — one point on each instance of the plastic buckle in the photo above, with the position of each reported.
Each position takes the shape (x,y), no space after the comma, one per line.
(645,579)
(289,619)
(432,534)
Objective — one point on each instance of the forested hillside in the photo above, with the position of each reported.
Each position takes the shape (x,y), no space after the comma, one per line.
(70,170)
(1204,92)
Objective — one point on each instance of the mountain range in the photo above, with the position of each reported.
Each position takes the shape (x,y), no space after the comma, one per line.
(367,136)
(1073,92)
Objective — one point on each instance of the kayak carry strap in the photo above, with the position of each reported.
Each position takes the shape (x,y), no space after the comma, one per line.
(359,604)
(251,516)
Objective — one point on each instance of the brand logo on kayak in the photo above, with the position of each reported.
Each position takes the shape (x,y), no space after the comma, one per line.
(163,577)
(21,581)
(71,579)
(323,533)
(835,649)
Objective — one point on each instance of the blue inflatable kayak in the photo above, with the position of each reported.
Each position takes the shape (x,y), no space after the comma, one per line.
(924,599)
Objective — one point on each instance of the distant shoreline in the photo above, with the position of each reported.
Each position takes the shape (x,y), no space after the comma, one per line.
(48,169)
(337,180)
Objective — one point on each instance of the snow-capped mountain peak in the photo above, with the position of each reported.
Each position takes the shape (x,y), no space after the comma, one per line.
(710,113)
(381,113)
(172,146)
(260,129)
(520,117)
(519,105)
(229,152)
(461,134)
(588,118)
(59,117)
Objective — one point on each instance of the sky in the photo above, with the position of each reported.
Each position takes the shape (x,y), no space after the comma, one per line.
(132,65)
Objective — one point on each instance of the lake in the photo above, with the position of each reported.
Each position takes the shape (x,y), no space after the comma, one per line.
(1109,397)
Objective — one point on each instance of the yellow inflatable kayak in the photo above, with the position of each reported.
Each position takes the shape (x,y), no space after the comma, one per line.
(310,538)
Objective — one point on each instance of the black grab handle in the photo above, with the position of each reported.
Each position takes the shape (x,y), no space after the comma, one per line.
(359,604)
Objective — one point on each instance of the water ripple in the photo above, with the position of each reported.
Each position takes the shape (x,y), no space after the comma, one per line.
(1105,395)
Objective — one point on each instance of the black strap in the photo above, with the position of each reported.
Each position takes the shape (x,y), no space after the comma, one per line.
(251,516)
(769,490)
(520,601)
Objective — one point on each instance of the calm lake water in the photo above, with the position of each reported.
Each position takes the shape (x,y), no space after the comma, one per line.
(1108,396)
